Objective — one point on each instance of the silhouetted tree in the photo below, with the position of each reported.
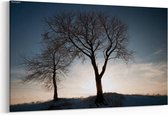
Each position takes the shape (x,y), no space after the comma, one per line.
(50,64)
(96,36)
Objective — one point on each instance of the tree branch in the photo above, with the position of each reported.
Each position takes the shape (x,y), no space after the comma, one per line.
(78,47)
(86,48)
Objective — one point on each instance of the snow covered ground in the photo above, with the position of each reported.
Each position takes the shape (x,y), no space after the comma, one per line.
(111,100)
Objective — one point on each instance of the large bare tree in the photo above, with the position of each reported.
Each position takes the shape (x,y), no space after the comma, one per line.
(97,36)
(49,65)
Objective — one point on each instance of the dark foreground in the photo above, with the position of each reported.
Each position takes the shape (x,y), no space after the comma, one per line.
(111,100)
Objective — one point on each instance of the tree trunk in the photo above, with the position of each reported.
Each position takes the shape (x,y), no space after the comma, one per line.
(99,97)
(55,98)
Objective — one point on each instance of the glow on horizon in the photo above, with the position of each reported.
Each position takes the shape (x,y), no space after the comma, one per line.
(142,78)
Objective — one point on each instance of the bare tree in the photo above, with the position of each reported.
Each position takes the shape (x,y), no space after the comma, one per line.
(50,64)
(97,36)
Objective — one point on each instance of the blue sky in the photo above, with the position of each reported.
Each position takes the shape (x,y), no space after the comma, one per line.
(147,26)
(147,29)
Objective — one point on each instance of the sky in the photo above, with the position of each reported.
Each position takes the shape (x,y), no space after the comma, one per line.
(147,74)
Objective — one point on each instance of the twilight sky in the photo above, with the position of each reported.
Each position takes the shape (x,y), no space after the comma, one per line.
(147,37)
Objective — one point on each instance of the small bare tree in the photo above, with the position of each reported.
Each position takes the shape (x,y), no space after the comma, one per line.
(96,36)
(50,64)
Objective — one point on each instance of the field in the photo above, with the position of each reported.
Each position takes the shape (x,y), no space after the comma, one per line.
(111,100)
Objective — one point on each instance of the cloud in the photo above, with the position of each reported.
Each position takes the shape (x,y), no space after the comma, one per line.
(134,78)
(156,56)
(17,73)
(141,78)
(157,52)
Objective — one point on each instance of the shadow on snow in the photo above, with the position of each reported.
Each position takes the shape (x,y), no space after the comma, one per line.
(111,100)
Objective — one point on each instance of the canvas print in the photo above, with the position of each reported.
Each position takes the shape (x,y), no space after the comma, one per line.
(76,56)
